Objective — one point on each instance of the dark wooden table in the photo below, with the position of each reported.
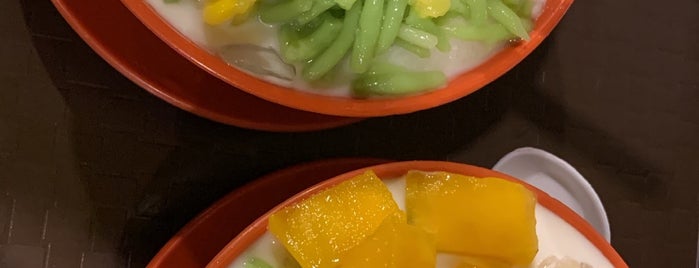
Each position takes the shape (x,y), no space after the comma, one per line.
(96,172)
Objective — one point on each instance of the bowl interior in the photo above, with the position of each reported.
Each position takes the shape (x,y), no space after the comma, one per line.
(458,87)
(391,170)
(158,69)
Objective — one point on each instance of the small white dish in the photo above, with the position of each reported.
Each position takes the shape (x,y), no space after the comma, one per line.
(560,180)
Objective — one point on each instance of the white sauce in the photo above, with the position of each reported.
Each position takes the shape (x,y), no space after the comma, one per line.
(186,17)
(556,238)
(538,8)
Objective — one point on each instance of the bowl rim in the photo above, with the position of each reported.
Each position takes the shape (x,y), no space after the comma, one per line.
(559,171)
(395,169)
(178,242)
(458,87)
(74,14)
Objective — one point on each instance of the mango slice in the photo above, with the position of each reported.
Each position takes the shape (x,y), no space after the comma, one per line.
(482,262)
(316,231)
(395,244)
(487,217)
(216,12)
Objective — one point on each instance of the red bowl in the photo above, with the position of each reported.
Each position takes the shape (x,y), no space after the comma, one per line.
(109,29)
(460,86)
(396,169)
(202,238)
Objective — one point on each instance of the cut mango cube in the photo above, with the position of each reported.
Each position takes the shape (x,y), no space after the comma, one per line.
(395,244)
(316,231)
(487,217)
(482,262)
(216,12)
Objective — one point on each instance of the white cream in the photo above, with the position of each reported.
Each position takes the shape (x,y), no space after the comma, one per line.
(556,238)
(538,8)
(186,17)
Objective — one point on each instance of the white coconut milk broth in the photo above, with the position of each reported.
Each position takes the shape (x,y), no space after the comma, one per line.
(556,238)
(233,44)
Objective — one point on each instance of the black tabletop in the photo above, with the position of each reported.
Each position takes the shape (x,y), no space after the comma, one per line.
(96,172)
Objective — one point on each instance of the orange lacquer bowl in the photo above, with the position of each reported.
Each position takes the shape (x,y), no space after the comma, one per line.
(460,86)
(396,169)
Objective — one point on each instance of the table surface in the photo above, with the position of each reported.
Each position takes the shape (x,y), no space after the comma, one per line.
(95,172)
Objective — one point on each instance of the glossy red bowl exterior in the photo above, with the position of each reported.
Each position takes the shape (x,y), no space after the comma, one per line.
(396,169)
(458,87)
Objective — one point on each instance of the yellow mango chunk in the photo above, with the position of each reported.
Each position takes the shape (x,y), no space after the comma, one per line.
(487,217)
(395,244)
(316,231)
(431,8)
(482,262)
(216,12)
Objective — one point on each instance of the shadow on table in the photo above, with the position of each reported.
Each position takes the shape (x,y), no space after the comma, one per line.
(167,165)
